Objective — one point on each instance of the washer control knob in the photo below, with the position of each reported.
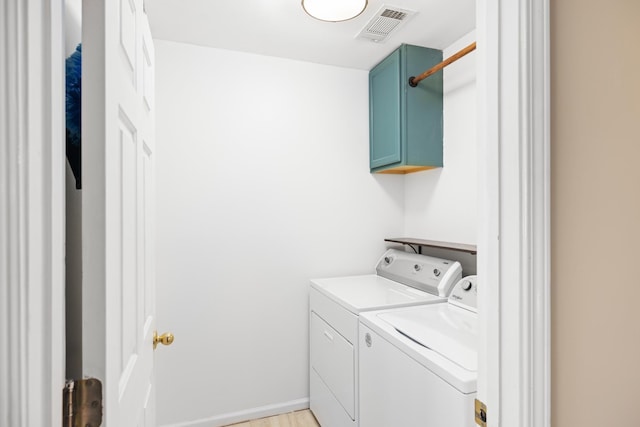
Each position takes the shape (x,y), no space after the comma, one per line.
(367,339)
(467,285)
(417,267)
(387,260)
(436,272)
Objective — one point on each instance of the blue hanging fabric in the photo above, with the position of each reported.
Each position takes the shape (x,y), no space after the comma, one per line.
(73,113)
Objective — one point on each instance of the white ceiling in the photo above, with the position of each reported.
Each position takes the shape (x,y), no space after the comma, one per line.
(281,28)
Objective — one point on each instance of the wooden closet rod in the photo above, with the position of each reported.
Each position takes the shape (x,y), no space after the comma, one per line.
(413,81)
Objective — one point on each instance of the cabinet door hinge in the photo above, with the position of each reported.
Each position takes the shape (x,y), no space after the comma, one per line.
(82,403)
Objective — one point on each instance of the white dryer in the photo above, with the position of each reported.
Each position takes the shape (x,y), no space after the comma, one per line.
(418,365)
(403,279)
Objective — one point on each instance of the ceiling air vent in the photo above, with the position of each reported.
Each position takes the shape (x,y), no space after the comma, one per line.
(387,20)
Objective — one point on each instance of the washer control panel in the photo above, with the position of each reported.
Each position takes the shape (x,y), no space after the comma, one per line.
(433,275)
(465,293)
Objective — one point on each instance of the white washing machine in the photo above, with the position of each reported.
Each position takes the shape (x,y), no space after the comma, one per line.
(418,365)
(402,279)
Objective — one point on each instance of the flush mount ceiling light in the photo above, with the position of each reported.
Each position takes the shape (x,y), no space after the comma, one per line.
(334,10)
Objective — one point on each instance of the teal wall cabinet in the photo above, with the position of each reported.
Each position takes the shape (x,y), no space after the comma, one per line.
(405,123)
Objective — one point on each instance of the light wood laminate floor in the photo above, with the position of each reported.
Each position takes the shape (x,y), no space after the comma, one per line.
(292,419)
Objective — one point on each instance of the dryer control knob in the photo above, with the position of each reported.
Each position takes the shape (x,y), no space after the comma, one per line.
(466,286)
(436,272)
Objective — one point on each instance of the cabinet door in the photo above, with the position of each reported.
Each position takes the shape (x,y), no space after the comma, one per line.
(385,137)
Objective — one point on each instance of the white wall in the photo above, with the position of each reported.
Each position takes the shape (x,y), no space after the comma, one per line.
(72,25)
(263,182)
(441,204)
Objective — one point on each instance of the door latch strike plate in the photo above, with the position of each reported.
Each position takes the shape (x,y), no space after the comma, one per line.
(82,403)
(481,414)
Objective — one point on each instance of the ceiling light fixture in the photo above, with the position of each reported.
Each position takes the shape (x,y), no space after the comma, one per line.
(334,10)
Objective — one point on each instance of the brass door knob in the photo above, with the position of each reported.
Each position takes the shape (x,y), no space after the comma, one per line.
(164,339)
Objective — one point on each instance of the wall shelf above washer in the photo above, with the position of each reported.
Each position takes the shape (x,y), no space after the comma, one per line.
(461,247)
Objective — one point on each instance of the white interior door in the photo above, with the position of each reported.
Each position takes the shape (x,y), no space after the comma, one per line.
(117,204)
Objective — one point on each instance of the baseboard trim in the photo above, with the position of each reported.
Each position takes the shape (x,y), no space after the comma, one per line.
(246,415)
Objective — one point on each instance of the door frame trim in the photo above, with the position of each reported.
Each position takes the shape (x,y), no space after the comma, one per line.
(32,213)
(514,214)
